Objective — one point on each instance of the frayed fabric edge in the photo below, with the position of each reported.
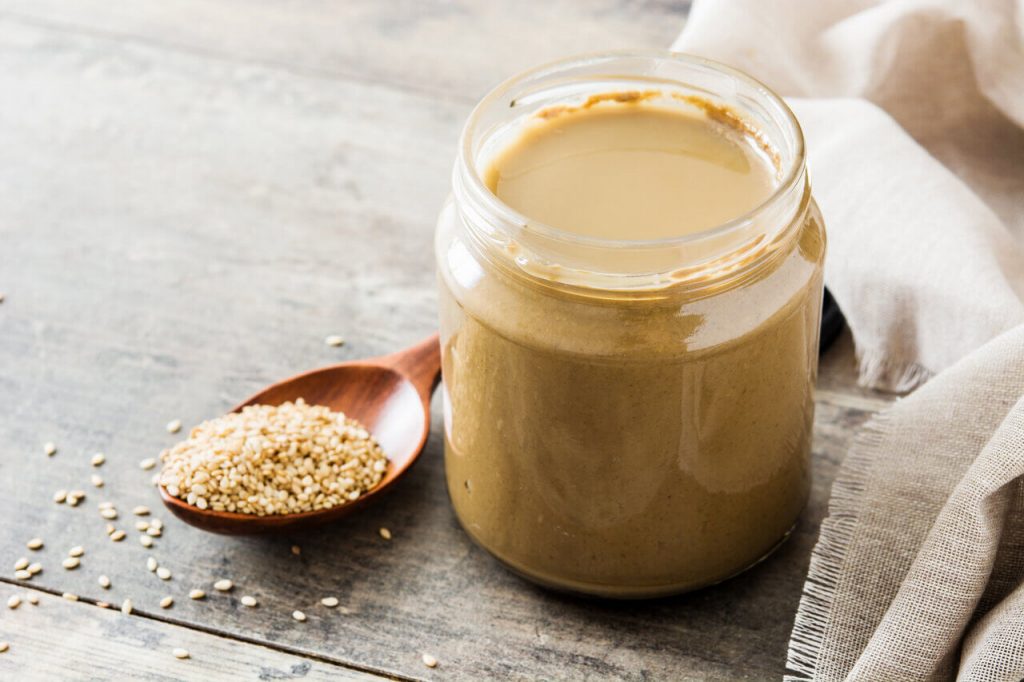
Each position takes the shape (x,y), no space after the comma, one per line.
(877,370)
(830,552)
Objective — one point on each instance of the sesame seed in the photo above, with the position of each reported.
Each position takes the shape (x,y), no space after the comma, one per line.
(117,535)
(147,463)
(196,594)
(101,604)
(330,602)
(109,513)
(33,600)
(22,575)
(60,496)
(146,540)
(156,523)
(429,661)
(142,526)
(166,602)
(34,543)
(50,449)
(334,340)
(105,505)
(73,501)
(96,480)
(110,529)
(35,568)
(126,607)
(385,533)
(98,459)
(104,581)
(181,653)
(151,564)
(141,510)
(322,458)
(21,564)
(223,585)
(174,426)
(14,601)
(70,563)
(70,596)
(296,550)
(154,532)
(299,616)
(164,573)
(248,601)
(4,646)
(78,494)
(77,550)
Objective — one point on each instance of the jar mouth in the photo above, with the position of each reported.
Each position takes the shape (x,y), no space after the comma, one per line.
(790,174)
(548,253)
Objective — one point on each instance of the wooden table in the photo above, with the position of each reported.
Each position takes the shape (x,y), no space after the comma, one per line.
(192,195)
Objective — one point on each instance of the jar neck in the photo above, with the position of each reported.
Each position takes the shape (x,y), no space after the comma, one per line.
(712,258)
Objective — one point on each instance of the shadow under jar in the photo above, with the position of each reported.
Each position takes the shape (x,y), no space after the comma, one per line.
(629,417)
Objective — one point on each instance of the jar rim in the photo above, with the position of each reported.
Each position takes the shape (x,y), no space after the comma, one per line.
(472,181)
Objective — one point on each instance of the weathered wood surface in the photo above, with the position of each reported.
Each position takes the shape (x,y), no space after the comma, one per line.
(192,196)
(62,640)
(450,50)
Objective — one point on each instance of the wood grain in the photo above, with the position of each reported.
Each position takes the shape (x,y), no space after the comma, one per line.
(457,49)
(62,640)
(193,196)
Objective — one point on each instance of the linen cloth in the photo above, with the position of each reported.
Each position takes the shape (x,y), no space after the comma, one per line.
(913,111)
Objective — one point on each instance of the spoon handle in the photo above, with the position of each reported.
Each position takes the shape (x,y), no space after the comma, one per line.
(420,364)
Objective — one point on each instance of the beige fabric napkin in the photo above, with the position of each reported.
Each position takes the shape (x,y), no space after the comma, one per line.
(914,118)
(918,571)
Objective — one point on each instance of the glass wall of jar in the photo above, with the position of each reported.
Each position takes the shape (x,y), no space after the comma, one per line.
(629,418)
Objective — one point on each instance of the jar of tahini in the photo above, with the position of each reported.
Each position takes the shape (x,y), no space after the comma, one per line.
(630,273)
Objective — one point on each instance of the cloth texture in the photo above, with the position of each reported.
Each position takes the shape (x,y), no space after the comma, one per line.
(913,112)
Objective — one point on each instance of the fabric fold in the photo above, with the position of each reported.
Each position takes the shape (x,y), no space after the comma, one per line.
(910,109)
(920,521)
(913,112)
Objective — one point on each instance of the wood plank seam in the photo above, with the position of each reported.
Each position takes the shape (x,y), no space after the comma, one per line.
(313,656)
(110,273)
(203,53)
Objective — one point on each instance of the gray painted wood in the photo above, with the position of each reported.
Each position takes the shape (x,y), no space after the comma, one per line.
(62,640)
(456,49)
(192,196)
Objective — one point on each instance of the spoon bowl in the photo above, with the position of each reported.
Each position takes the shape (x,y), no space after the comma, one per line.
(389,395)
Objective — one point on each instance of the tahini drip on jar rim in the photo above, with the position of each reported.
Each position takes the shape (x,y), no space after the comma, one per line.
(713,257)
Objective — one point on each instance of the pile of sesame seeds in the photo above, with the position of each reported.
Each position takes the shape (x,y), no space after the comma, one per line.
(270,459)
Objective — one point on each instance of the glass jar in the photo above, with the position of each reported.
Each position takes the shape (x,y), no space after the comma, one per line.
(629,418)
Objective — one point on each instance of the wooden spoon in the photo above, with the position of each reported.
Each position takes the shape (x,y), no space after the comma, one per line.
(390,395)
